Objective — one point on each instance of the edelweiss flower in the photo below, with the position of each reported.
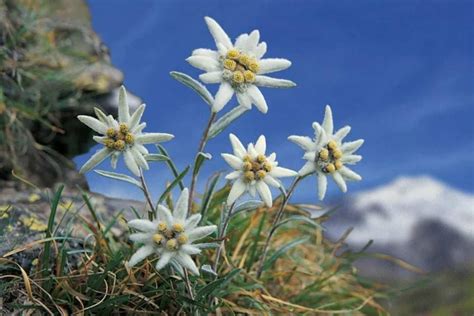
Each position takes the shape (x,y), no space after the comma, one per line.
(122,136)
(170,236)
(328,155)
(253,170)
(238,68)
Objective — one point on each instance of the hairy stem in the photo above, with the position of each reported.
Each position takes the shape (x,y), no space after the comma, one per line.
(202,144)
(146,192)
(221,235)
(188,284)
(274,226)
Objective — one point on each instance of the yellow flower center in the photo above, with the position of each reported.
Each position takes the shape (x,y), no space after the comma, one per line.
(171,237)
(255,169)
(329,157)
(158,238)
(179,228)
(172,244)
(118,138)
(162,226)
(182,239)
(241,67)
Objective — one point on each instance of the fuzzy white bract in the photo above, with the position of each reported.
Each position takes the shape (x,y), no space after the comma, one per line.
(170,236)
(328,155)
(124,136)
(238,68)
(254,171)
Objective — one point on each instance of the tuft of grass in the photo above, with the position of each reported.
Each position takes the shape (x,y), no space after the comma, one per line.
(302,275)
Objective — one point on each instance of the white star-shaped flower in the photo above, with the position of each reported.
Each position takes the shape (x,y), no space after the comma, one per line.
(238,68)
(327,154)
(170,236)
(121,137)
(254,171)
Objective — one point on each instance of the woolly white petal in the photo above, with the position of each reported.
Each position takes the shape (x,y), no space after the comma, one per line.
(264,192)
(93,124)
(252,190)
(234,161)
(100,139)
(141,149)
(136,116)
(269,82)
(187,262)
(303,141)
(280,172)
(206,52)
(211,77)
(164,214)
(251,151)
(223,95)
(257,98)
(114,159)
(350,147)
(233,175)
(327,122)
(140,255)
(164,260)
(322,185)
(153,138)
(310,155)
(201,232)
(181,207)
(220,36)
(252,41)
(308,168)
(260,50)
(241,41)
(141,237)
(261,145)
(204,63)
(269,65)
(131,163)
(142,225)
(341,133)
(138,129)
(238,188)
(272,158)
(100,115)
(140,160)
(190,249)
(244,100)
(192,221)
(96,159)
(349,174)
(123,110)
(239,149)
(341,183)
(350,159)
(271,181)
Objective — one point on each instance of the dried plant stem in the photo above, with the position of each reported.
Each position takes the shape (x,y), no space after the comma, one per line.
(274,226)
(202,144)
(221,235)
(188,284)
(146,192)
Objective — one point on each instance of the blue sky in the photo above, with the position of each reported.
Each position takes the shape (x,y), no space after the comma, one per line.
(401,73)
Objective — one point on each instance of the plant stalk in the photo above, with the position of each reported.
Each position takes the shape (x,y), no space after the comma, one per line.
(221,236)
(277,219)
(146,192)
(202,144)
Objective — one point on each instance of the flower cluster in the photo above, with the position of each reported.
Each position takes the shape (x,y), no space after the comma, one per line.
(170,236)
(122,136)
(239,68)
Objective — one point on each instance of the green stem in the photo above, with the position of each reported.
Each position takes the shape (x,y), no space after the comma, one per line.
(147,194)
(221,235)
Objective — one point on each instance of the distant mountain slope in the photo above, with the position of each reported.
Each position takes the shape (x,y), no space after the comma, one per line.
(418,219)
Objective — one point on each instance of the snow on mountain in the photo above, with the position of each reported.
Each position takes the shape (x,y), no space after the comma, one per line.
(393,212)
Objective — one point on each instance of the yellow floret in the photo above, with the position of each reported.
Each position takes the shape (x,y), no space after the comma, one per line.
(332,144)
(338,164)
(123,128)
(247,166)
(178,227)
(261,158)
(253,66)
(261,174)
(119,145)
(244,59)
(230,64)
(249,76)
(249,176)
(324,154)
(182,239)
(233,54)
(238,77)
(337,153)
(162,226)
(330,168)
(111,132)
(172,244)
(109,143)
(158,238)
(267,166)
(129,139)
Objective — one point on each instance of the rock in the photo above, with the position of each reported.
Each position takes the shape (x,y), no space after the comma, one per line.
(53,67)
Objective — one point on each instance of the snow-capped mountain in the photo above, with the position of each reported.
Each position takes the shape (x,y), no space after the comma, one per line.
(419,219)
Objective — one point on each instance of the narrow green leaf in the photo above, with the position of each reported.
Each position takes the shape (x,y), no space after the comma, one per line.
(301,218)
(253,250)
(283,250)
(195,85)
(208,269)
(246,206)
(172,185)
(226,120)
(200,158)
(119,176)
(207,245)
(156,157)
(170,164)
(206,200)
(217,284)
